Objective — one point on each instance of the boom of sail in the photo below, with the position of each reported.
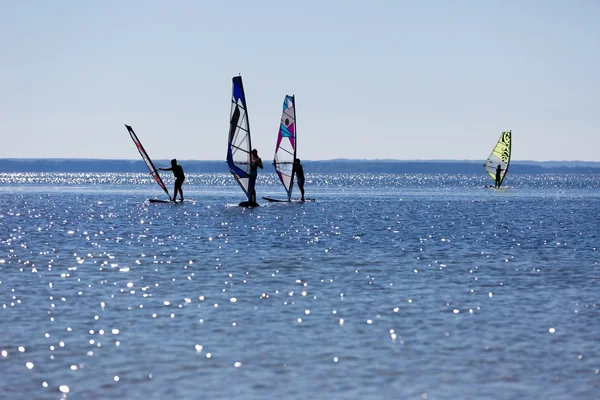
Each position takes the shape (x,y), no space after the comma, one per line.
(500,156)
(147,160)
(238,144)
(285,148)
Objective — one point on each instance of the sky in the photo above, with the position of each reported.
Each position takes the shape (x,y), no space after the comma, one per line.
(373,79)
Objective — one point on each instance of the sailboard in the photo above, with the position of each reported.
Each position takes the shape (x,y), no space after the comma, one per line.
(239,145)
(285,147)
(150,165)
(273,200)
(500,156)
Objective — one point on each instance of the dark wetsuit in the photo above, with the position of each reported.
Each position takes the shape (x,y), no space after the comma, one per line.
(179,178)
(179,175)
(498,176)
(300,177)
(299,174)
(255,163)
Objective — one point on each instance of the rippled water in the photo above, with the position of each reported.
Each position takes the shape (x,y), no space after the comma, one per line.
(387,286)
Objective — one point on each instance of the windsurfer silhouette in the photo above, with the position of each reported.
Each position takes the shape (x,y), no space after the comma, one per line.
(179,178)
(299,170)
(255,163)
(498,176)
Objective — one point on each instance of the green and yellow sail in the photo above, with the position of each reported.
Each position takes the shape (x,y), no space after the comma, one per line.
(500,157)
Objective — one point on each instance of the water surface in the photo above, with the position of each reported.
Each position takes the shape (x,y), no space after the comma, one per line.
(387,286)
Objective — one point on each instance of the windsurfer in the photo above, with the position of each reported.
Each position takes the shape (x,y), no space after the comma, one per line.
(255,163)
(498,176)
(299,170)
(179,178)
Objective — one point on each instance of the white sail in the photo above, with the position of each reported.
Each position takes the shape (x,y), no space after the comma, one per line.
(285,147)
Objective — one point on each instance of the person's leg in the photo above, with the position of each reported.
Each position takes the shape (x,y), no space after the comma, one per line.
(251,191)
(175,190)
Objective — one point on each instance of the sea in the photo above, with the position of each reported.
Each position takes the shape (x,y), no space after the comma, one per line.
(386,286)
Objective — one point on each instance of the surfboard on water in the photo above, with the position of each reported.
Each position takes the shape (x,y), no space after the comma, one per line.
(275,200)
(153,171)
(239,145)
(249,204)
(500,156)
(306,199)
(170,201)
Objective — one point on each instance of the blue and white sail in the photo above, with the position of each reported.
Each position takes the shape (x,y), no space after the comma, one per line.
(239,146)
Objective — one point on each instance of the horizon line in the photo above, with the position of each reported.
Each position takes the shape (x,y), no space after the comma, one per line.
(304,160)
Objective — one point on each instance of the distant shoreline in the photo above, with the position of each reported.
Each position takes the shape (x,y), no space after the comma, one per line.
(12,165)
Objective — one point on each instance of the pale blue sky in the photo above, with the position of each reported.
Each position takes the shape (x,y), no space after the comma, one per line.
(373,79)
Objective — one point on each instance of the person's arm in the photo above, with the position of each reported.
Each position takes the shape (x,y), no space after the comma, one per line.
(260,163)
(166,169)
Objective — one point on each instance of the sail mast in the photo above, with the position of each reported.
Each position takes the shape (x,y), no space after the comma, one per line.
(509,155)
(295,149)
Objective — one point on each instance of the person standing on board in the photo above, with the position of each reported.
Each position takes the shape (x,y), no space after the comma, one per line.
(255,163)
(299,170)
(498,176)
(179,178)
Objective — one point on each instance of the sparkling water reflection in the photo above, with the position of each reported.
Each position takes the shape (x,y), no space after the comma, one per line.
(387,286)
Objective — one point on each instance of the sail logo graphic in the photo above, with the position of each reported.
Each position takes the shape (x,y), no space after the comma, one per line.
(506,151)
